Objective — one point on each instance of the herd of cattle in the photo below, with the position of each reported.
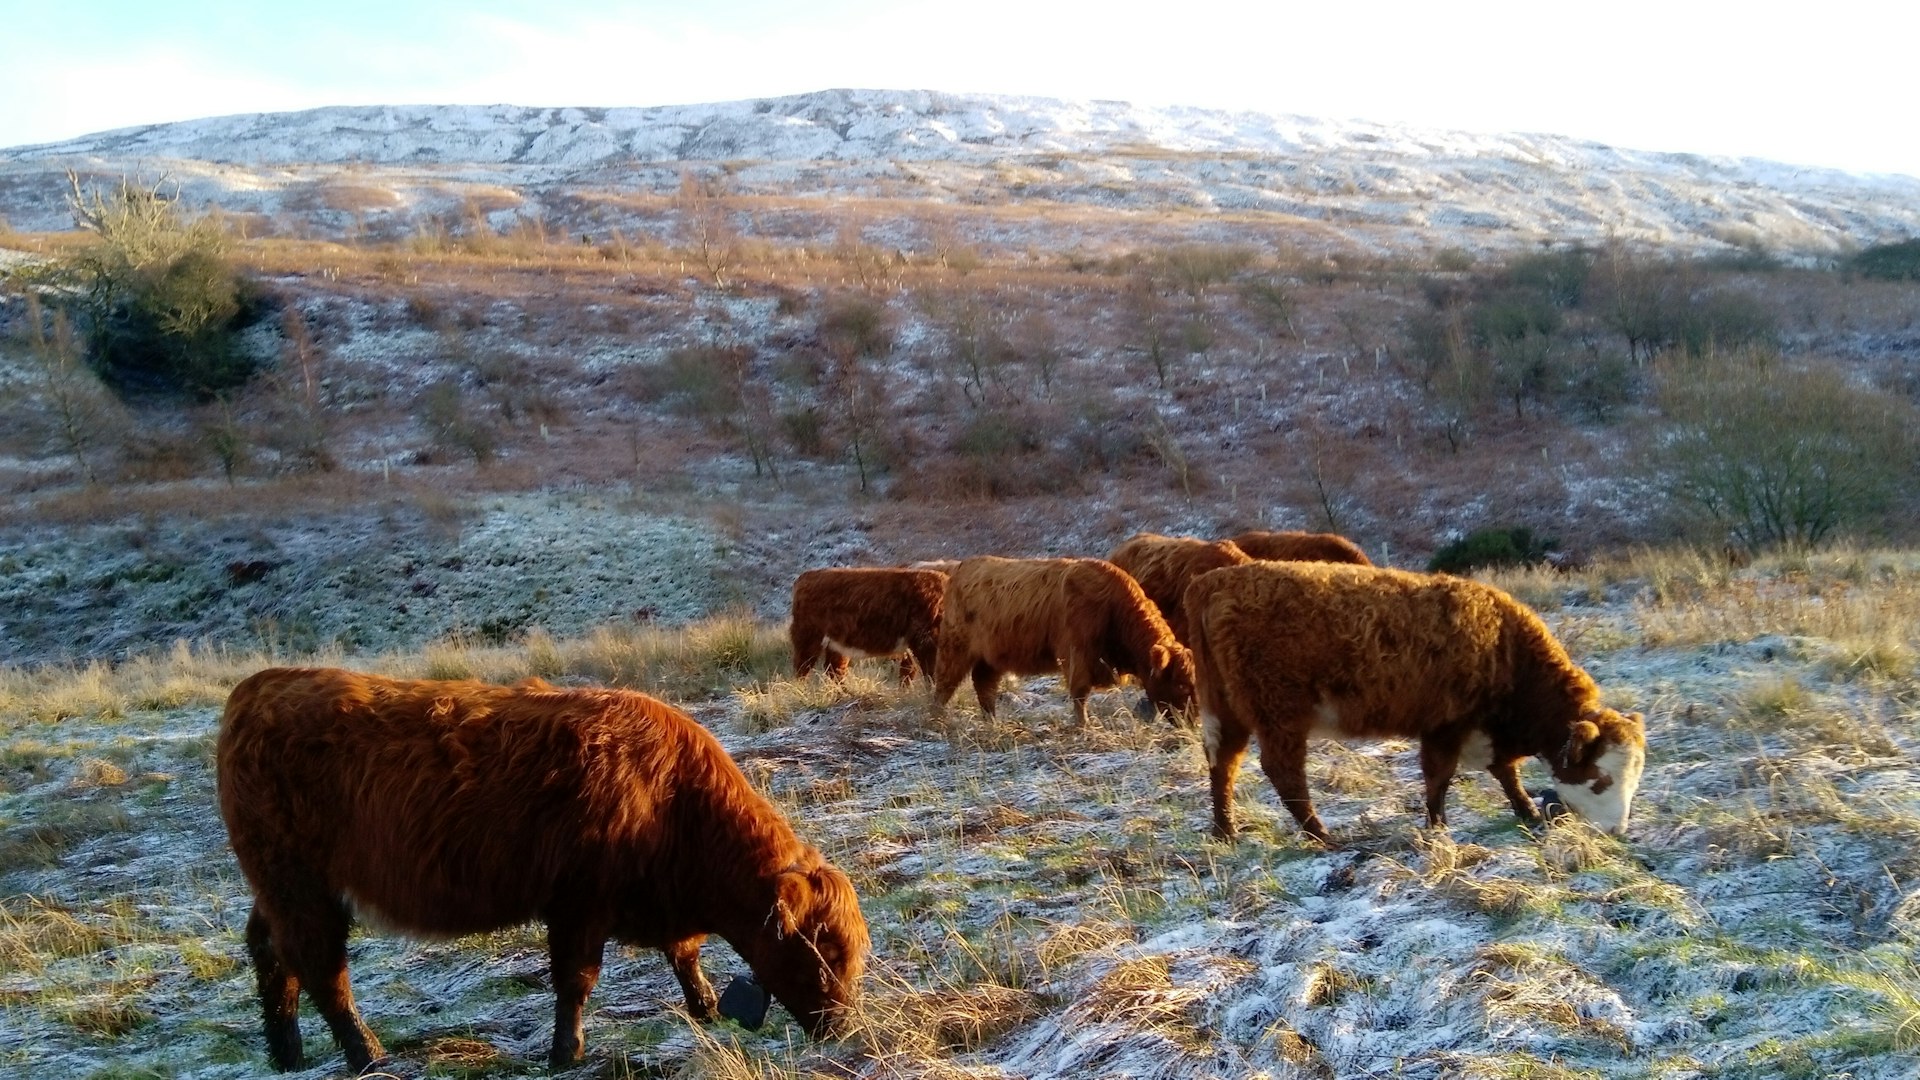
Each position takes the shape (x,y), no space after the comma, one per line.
(443,808)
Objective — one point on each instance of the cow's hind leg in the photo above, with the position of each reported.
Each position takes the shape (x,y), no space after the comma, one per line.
(279,996)
(310,938)
(807,643)
(573,957)
(684,955)
(1283,756)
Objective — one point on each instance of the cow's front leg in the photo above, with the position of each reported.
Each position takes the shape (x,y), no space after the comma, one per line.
(1439,760)
(1226,743)
(1507,774)
(684,955)
(986,686)
(1283,756)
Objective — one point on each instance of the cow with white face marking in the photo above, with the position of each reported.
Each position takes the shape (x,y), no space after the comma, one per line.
(1286,652)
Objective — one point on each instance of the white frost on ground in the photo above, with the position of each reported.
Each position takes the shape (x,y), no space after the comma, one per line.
(1074,866)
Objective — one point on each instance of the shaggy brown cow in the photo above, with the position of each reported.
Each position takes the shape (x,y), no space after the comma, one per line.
(1301,547)
(853,613)
(1163,565)
(1084,618)
(1290,650)
(449,808)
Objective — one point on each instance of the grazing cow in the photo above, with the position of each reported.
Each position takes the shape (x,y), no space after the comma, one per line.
(1288,651)
(1084,618)
(449,808)
(1301,547)
(1163,565)
(876,611)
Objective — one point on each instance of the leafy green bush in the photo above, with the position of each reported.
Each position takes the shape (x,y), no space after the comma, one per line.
(1899,261)
(1513,546)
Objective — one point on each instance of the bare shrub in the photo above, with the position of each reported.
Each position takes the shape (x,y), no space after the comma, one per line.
(1777,455)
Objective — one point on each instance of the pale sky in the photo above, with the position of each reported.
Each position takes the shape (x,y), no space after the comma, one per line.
(1805,83)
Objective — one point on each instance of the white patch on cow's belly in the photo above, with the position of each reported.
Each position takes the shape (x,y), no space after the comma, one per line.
(852,653)
(1326,721)
(1608,810)
(1477,751)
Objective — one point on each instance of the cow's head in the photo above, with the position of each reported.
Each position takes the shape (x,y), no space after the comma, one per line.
(1168,682)
(1599,768)
(812,948)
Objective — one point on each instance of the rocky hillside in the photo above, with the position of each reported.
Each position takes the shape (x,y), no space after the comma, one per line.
(403,163)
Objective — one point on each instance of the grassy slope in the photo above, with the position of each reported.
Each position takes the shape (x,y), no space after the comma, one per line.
(1044,901)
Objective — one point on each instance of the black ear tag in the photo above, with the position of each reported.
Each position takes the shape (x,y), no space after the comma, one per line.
(744,1002)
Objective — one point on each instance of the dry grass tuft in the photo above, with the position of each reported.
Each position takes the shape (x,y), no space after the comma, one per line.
(1525,987)
(1139,994)
(1571,846)
(1327,983)
(1863,610)
(901,1025)
(780,702)
(36,931)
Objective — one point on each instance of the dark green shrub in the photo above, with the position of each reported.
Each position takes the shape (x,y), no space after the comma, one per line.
(1718,320)
(1559,276)
(1599,387)
(856,325)
(1515,546)
(156,297)
(1899,261)
(451,425)
(1514,314)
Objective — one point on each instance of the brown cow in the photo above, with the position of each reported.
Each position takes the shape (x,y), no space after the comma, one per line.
(1163,565)
(875,611)
(1289,651)
(1084,618)
(1301,547)
(448,808)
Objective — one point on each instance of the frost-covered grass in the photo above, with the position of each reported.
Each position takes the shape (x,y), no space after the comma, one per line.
(1044,901)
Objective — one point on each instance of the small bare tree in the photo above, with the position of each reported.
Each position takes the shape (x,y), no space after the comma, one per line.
(73,409)
(705,208)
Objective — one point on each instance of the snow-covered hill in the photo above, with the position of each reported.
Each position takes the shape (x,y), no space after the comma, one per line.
(1448,187)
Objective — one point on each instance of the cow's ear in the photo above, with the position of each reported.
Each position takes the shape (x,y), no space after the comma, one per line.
(1580,737)
(1160,656)
(792,895)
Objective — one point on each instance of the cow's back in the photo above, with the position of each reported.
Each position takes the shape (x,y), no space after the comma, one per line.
(1165,565)
(1357,651)
(1004,611)
(1289,546)
(440,807)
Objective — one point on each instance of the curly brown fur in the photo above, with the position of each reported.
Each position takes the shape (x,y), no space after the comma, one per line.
(1084,618)
(1301,547)
(1289,651)
(868,611)
(1163,565)
(439,809)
